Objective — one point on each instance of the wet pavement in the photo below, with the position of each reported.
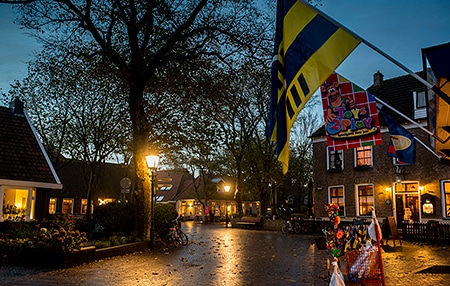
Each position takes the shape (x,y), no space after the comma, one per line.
(230,256)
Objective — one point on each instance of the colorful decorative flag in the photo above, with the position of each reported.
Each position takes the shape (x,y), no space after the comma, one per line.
(308,48)
(351,115)
(402,144)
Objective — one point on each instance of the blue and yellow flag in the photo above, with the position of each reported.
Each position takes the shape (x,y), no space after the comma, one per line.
(402,144)
(308,48)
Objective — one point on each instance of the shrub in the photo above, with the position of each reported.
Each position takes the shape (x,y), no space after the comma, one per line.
(116,216)
(55,233)
(58,233)
(164,214)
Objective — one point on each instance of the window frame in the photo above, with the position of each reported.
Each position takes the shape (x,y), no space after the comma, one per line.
(331,162)
(444,193)
(417,95)
(342,208)
(360,150)
(30,204)
(50,204)
(358,199)
(63,209)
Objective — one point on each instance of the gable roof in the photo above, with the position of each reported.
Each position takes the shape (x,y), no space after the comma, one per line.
(398,93)
(171,184)
(75,177)
(23,160)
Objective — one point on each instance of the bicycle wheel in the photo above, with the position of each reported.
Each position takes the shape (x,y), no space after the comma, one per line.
(184,238)
(285,228)
(297,228)
(176,239)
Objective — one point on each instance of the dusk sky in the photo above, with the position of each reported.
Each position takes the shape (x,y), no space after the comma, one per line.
(400,28)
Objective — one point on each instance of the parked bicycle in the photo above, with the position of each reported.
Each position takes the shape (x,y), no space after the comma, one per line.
(291,224)
(176,234)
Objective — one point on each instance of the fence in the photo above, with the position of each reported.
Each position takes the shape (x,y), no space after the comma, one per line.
(431,232)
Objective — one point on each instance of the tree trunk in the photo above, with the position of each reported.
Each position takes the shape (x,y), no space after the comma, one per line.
(238,195)
(140,149)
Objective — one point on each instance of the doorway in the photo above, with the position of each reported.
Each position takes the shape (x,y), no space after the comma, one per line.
(407,203)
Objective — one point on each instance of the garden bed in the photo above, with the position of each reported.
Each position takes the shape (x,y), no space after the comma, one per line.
(65,259)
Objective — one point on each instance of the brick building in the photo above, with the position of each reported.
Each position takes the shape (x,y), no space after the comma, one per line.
(357,179)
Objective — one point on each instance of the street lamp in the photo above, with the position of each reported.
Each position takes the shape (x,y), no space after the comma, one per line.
(152,163)
(227,189)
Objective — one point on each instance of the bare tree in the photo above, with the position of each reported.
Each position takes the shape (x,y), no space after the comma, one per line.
(146,41)
(78,111)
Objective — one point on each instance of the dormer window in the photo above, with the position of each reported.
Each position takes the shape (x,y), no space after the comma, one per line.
(335,161)
(420,99)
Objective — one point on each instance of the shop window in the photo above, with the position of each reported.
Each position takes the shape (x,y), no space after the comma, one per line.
(67,207)
(335,161)
(365,199)
(363,157)
(52,206)
(445,188)
(336,196)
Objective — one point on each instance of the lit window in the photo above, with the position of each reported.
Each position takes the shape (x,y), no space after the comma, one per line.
(104,201)
(363,156)
(446,198)
(15,203)
(83,206)
(365,199)
(335,160)
(67,207)
(52,206)
(336,196)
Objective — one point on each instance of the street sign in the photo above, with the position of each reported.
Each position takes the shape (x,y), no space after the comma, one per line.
(125,183)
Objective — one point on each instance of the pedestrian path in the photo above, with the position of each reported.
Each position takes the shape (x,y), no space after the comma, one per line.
(235,257)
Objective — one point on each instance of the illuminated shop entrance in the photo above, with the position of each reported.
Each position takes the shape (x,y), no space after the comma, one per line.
(407,204)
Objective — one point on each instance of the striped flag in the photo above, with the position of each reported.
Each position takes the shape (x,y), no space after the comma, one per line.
(308,48)
(402,144)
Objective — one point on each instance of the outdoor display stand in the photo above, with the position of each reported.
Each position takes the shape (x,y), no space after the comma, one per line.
(360,245)
(365,265)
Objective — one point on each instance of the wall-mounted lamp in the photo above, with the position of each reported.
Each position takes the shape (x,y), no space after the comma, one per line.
(389,191)
(399,173)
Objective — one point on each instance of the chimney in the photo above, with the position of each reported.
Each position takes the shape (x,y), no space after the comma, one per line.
(17,106)
(377,78)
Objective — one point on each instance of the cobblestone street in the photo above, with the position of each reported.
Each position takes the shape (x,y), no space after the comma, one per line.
(228,256)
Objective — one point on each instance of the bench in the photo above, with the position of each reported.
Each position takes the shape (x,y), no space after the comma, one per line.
(250,221)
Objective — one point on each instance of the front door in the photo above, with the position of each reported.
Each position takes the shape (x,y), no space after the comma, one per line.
(407,202)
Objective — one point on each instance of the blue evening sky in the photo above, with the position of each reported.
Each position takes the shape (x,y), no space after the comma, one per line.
(399,28)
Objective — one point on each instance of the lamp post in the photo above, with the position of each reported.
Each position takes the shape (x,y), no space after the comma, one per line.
(152,163)
(227,189)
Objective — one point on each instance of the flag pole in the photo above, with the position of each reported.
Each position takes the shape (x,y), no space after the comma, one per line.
(434,88)
(428,148)
(410,120)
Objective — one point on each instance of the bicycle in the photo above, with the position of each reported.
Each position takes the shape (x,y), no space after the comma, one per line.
(291,225)
(177,235)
